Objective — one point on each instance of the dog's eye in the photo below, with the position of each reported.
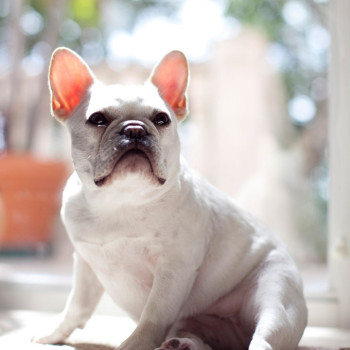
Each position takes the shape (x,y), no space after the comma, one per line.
(98,119)
(161,119)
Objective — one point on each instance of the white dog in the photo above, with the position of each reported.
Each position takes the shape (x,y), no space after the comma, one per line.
(181,258)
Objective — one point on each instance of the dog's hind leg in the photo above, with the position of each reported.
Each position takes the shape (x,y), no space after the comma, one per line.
(276,307)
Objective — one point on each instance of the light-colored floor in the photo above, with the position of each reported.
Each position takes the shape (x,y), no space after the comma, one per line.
(25,324)
(18,327)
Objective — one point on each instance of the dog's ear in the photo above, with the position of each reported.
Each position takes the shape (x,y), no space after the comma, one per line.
(69,80)
(171,76)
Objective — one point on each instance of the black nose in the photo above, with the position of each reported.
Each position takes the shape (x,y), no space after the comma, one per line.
(134,130)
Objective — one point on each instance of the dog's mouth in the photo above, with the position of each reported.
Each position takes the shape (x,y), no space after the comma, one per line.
(131,160)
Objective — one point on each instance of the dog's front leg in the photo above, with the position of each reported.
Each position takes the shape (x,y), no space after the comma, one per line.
(173,281)
(84,296)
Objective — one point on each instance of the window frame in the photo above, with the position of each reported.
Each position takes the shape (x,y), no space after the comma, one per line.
(332,308)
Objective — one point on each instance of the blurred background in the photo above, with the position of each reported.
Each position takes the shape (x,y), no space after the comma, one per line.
(257,126)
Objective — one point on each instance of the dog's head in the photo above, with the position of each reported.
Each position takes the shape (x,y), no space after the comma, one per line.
(120,132)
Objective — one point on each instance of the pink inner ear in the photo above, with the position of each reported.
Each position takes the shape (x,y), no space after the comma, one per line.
(170,77)
(70,79)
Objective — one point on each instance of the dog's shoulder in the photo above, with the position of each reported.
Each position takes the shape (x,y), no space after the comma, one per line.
(75,211)
(72,194)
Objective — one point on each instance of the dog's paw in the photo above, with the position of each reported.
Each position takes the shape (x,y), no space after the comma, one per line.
(56,337)
(183,344)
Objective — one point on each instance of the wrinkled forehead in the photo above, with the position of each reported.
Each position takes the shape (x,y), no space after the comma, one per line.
(125,100)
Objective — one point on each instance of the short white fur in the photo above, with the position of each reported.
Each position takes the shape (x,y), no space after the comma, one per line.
(177,257)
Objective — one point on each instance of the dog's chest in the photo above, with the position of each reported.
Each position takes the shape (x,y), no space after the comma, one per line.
(136,256)
(124,263)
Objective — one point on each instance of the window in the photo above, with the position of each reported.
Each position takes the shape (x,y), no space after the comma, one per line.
(339,142)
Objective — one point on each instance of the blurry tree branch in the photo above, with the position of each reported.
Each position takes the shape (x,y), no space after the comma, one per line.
(50,36)
(16,40)
(319,11)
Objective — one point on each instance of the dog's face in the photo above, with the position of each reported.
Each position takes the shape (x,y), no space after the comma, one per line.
(121,132)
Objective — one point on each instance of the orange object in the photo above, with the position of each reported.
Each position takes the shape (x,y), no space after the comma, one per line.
(30,194)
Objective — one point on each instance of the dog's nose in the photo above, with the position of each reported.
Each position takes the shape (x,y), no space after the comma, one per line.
(134,130)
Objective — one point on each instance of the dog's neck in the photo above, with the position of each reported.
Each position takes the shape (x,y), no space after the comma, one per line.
(131,192)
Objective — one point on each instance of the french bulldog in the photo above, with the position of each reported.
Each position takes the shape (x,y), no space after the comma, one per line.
(193,269)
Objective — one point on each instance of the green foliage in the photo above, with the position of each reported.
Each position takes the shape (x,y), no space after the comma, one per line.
(40,5)
(84,12)
(265,15)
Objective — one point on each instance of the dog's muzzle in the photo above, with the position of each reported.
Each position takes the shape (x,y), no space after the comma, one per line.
(129,137)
